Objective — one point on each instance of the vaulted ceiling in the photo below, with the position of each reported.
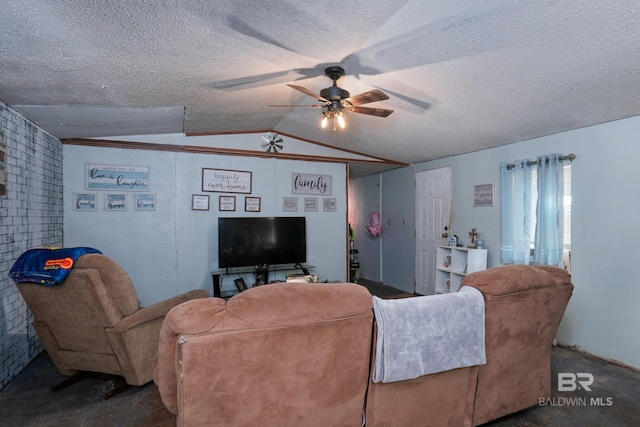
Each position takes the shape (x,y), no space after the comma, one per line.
(461,75)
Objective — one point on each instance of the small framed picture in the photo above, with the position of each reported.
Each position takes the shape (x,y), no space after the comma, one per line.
(200,202)
(483,195)
(145,202)
(227,203)
(85,202)
(311,204)
(290,204)
(252,204)
(329,204)
(240,284)
(115,202)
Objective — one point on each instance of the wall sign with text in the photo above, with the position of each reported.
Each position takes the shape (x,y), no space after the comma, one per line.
(302,183)
(145,202)
(85,202)
(483,195)
(226,181)
(115,202)
(117,177)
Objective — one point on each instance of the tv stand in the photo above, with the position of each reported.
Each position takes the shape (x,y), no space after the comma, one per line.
(260,271)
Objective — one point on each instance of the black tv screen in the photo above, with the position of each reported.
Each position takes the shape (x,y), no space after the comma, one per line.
(250,241)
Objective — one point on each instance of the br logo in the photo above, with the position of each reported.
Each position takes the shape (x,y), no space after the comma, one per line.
(568,381)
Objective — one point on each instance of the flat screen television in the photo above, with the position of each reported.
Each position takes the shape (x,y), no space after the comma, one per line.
(255,241)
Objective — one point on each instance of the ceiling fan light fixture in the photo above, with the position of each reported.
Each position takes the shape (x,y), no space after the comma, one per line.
(336,100)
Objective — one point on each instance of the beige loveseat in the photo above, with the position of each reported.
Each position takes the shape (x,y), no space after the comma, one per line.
(303,354)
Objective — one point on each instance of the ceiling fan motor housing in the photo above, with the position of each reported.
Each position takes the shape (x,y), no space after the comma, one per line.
(334,93)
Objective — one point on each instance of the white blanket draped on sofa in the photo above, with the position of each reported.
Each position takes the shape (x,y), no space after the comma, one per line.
(428,334)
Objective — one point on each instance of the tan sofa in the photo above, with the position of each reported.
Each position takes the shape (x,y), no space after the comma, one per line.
(302,354)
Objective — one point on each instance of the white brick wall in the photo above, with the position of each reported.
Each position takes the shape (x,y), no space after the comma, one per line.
(30,216)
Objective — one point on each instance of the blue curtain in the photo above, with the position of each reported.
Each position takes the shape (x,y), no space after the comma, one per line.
(515,191)
(549,211)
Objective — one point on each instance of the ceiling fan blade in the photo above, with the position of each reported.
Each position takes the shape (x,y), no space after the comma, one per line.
(367,97)
(288,106)
(379,112)
(308,92)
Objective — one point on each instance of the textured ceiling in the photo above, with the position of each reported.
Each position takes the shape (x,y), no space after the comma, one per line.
(461,75)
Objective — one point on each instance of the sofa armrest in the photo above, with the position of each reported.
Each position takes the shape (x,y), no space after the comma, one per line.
(198,316)
(134,339)
(158,310)
(510,279)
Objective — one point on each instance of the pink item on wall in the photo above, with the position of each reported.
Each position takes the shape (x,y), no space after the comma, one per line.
(374,228)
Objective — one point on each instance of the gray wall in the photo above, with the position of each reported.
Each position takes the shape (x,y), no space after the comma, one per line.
(174,248)
(603,314)
(30,216)
(389,258)
(364,198)
(398,221)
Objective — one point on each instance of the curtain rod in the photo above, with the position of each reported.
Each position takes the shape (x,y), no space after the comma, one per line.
(569,157)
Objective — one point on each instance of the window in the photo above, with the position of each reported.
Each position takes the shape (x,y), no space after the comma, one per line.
(566,213)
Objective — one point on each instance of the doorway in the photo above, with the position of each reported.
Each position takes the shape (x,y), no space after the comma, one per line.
(433,224)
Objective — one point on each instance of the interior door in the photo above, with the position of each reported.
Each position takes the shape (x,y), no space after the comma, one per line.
(433,222)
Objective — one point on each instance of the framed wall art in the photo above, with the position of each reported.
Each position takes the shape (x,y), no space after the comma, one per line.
(252,204)
(226,181)
(145,202)
(200,202)
(115,202)
(329,204)
(290,204)
(311,204)
(311,184)
(227,203)
(85,202)
(117,177)
(483,195)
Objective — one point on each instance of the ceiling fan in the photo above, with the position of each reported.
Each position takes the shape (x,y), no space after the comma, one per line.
(335,100)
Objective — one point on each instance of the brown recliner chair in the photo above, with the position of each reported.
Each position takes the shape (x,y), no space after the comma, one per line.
(524,306)
(92,323)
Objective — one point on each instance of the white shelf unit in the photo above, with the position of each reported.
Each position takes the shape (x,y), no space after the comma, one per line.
(453,263)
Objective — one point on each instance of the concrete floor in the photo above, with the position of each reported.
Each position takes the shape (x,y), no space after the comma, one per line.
(28,401)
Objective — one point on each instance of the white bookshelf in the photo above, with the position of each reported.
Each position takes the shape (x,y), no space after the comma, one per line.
(453,263)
